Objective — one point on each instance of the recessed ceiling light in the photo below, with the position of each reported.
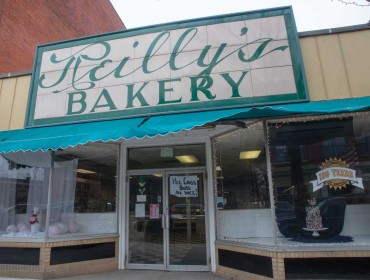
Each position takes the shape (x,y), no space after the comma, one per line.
(187,159)
(249,154)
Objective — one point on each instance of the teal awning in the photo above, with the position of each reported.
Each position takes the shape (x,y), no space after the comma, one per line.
(64,136)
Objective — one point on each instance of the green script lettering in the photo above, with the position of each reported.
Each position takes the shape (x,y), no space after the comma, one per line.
(180,46)
(152,50)
(84,74)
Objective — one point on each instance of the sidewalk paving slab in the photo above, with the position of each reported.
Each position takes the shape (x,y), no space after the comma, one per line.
(141,275)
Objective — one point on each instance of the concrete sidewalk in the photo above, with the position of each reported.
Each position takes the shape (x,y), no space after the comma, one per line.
(142,275)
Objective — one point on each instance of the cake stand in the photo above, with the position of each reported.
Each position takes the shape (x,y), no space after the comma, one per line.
(315,231)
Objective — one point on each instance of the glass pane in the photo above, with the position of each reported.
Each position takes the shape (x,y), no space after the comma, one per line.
(323,196)
(83,196)
(24,184)
(187,236)
(145,219)
(243,201)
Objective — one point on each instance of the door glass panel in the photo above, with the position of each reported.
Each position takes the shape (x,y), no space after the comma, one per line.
(145,219)
(177,156)
(187,231)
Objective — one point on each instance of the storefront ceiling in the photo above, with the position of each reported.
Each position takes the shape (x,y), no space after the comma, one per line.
(63,136)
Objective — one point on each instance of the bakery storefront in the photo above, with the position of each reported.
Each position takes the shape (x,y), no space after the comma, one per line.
(186,146)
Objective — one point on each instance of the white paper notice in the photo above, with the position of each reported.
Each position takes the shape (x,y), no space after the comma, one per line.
(184,186)
(140,210)
(141,198)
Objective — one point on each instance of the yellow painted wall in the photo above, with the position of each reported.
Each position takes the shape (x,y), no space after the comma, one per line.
(13,101)
(337,66)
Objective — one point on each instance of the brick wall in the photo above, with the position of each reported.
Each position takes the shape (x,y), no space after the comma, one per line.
(24,24)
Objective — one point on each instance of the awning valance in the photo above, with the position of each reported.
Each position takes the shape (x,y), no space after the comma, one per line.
(64,136)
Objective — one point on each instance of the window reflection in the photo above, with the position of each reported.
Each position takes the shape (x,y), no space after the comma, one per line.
(82,186)
(243,201)
(323,197)
(242,181)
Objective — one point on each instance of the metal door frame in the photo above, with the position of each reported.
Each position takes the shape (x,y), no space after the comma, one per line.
(180,171)
(127,222)
(165,221)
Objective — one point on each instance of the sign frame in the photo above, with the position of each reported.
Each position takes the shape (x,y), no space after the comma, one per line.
(301,94)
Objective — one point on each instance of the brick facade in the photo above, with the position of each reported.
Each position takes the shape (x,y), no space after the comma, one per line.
(24,24)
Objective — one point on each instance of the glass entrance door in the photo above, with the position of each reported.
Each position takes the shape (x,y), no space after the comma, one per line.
(145,225)
(186,228)
(166,221)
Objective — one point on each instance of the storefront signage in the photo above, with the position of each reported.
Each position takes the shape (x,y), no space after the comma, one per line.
(228,61)
(184,186)
(336,174)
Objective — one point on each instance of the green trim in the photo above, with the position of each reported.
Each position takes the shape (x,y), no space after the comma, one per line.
(33,87)
(286,10)
(300,81)
(296,55)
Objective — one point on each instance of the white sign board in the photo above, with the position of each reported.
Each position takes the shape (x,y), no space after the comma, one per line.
(184,186)
(233,60)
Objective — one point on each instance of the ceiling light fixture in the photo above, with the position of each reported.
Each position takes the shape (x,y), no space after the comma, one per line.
(187,159)
(249,154)
(85,171)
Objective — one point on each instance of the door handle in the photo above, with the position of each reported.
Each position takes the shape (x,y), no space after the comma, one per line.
(165,221)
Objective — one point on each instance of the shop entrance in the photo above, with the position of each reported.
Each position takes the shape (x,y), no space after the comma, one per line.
(167,221)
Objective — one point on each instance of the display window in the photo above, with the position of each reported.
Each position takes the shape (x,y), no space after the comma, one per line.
(317,172)
(66,193)
(320,172)
(243,199)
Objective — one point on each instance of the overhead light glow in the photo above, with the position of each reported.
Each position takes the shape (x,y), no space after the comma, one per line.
(249,154)
(84,171)
(187,159)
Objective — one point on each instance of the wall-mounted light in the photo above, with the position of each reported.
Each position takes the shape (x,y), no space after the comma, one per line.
(249,154)
(187,159)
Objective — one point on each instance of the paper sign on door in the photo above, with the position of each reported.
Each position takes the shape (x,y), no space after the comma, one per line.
(184,186)
(140,210)
(154,211)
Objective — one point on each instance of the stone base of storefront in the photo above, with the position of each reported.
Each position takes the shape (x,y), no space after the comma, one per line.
(240,262)
(58,259)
